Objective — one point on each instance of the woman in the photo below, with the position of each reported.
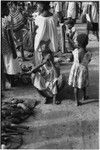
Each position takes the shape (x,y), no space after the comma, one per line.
(93,19)
(17,21)
(9,57)
(46,77)
(46,29)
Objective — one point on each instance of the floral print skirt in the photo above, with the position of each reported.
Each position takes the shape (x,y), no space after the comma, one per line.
(78,76)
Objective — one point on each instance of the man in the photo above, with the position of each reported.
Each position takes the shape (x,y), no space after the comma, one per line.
(92,19)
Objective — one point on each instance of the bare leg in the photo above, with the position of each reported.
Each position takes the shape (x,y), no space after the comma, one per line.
(76,96)
(88,33)
(84,94)
(54,99)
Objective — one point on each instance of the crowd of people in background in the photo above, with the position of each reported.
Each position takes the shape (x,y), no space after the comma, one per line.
(33,25)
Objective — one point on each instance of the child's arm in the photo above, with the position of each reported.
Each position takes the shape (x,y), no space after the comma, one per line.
(72,34)
(36,69)
(71,42)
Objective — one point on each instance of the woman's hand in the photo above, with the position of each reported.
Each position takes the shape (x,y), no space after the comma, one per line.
(46,58)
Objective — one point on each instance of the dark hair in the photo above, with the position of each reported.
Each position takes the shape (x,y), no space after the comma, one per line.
(4,8)
(82,40)
(45,4)
(14,2)
(71,22)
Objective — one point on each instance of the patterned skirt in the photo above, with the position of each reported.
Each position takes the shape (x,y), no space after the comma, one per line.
(78,76)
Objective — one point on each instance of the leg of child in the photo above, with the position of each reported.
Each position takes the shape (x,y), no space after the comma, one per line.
(84,94)
(76,91)
(54,99)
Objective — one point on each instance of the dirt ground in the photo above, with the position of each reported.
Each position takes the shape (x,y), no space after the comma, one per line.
(65,126)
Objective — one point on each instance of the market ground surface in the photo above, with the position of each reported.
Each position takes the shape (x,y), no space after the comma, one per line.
(65,126)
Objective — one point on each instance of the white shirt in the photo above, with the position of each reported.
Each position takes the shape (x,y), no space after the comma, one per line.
(94,14)
(84,7)
(71,10)
(46,30)
(58,6)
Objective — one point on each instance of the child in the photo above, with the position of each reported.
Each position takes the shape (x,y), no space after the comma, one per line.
(78,77)
(71,34)
(46,77)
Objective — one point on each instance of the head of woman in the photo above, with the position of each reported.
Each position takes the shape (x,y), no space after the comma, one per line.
(70,24)
(13,6)
(82,40)
(46,52)
(43,6)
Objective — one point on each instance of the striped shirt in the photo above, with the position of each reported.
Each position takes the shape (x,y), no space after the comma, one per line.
(5,46)
(17,20)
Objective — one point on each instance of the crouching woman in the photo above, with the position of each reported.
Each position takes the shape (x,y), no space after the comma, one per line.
(46,77)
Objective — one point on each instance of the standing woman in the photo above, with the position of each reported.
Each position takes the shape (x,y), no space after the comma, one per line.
(17,21)
(9,57)
(46,29)
(93,19)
